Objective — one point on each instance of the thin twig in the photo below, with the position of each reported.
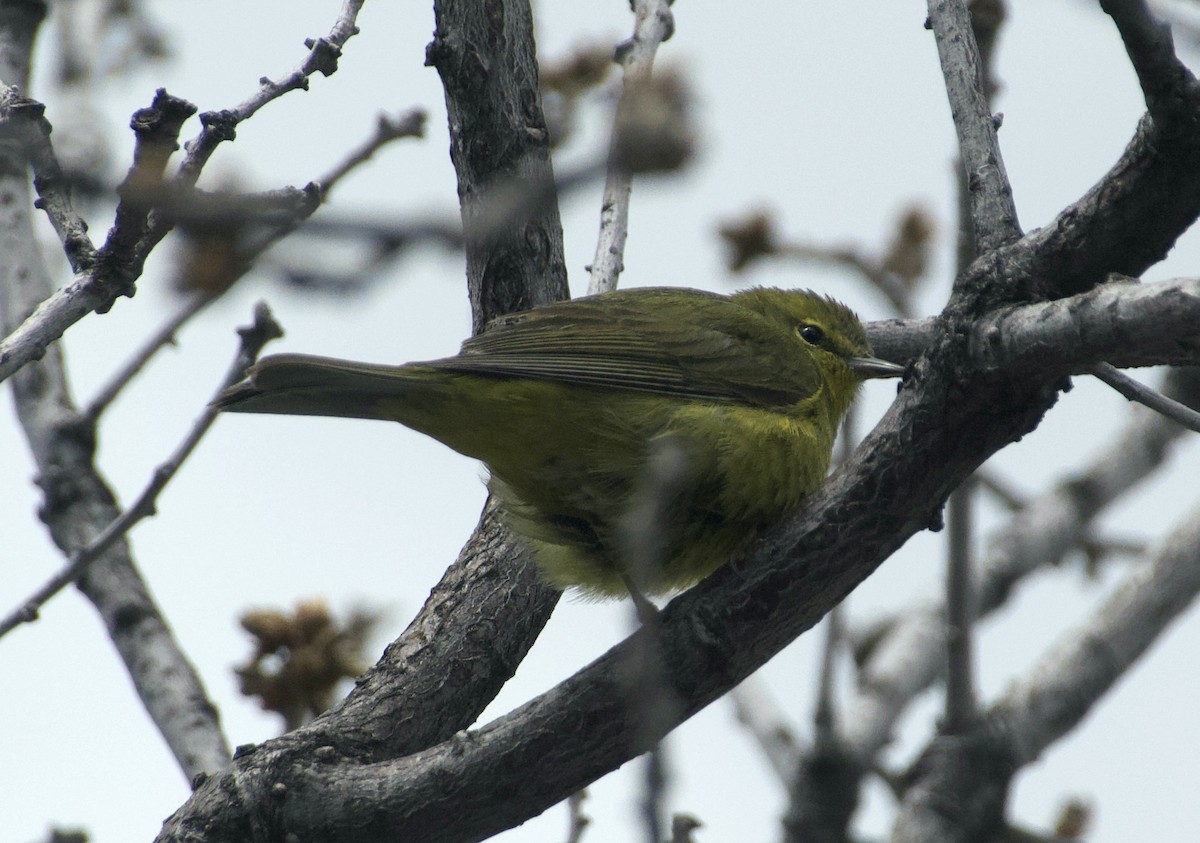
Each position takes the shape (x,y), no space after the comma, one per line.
(1139,392)
(387,129)
(164,336)
(254,338)
(280,212)
(220,126)
(654,23)
(95,289)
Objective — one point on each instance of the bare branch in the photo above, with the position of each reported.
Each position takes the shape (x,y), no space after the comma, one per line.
(24,120)
(1143,394)
(907,659)
(78,503)
(156,130)
(654,23)
(387,129)
(1167,85)
(993,213)
(101,276)
(164,336)
(96,287)
(254,337)
(1129,220)
(1057,694)
(220,126)
(1070,334)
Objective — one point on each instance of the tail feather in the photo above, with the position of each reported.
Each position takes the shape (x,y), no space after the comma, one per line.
(304,385)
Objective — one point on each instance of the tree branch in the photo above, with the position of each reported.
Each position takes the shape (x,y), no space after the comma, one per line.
(1074,676)
(98,284)
(254,338)
(1167,84)
(909,657)
(78,502)
(1131,218)
(1051,701)
(489,71)
(23,120)
(1071,334)
(993,213)
(654,23)
(1156,401)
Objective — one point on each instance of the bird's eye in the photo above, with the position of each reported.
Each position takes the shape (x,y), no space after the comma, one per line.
(811,334)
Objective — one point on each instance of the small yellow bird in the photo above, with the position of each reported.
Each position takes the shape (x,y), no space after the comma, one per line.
(566,403)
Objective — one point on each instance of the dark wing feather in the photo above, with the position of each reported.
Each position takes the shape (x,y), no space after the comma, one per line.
(658,340)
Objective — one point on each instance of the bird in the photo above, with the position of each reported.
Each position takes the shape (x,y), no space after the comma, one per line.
(567,405)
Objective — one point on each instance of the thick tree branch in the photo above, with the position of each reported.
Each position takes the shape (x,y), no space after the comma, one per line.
(1167,84)
(1123,323)
(1130,219)
(498,138)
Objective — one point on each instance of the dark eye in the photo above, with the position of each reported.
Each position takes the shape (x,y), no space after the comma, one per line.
(811,334)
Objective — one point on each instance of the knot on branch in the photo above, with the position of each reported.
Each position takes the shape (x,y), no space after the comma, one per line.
(324,56)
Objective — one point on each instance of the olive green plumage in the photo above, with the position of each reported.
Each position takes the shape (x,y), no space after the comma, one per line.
(564,402)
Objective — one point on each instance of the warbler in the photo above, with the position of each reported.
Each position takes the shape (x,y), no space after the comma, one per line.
(565,404)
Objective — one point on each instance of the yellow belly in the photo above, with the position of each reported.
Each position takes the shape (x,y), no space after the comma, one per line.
(566,490)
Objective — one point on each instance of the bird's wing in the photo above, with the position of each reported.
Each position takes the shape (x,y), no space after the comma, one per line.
(668,341)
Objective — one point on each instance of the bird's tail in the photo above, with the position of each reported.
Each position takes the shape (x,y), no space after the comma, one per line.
(303,385)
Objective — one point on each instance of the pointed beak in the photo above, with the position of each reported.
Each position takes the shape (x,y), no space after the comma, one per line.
(873,367)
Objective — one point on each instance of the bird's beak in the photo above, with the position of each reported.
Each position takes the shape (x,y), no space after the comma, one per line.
(873,367)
